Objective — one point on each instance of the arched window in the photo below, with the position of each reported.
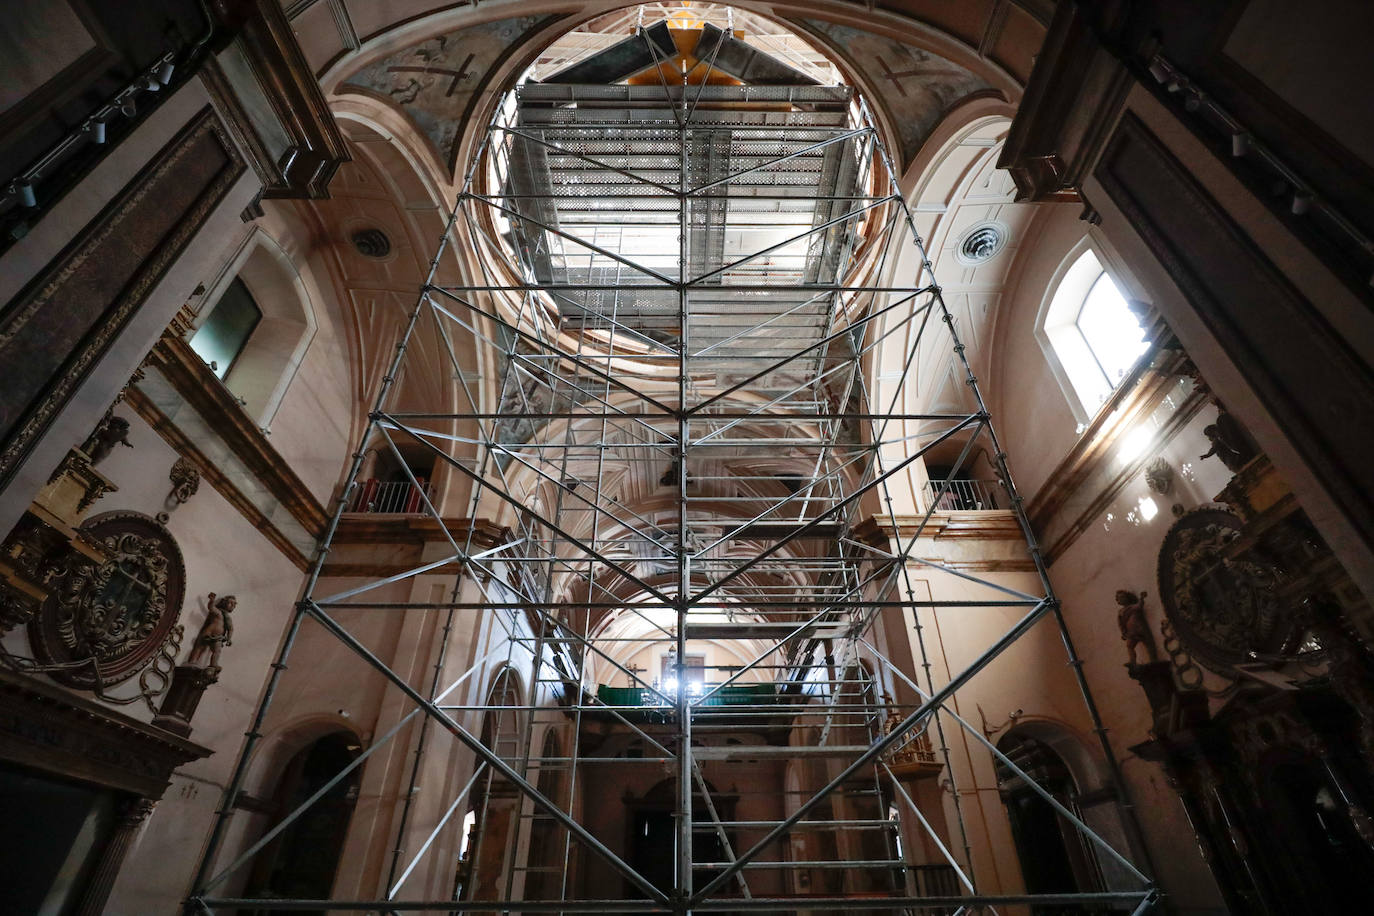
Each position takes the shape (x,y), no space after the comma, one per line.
(302,861)
(544,874)
(222,337)
(492,807)
(256,325)
(1056,858)
(1093,338)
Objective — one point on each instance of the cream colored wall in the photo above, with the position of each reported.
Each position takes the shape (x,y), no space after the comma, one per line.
(1029,409)
(1038,429)
(224,554)
(313,424)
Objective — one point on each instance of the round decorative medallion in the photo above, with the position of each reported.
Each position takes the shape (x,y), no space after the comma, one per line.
(981,242)
(371,243)
(104,622)
(1222,606)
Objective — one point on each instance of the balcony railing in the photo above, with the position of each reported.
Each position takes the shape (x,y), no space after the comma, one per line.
(964,495)
(393,496)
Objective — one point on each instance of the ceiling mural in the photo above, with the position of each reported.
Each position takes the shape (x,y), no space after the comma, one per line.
(917,87)
(436,81)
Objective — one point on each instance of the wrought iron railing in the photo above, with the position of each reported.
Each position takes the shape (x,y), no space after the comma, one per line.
(393,496)
(962,495)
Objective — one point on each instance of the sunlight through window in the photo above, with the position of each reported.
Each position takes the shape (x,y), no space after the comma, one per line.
(1095,336)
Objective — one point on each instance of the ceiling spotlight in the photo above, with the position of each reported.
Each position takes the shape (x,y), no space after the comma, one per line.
(1302,202)
(1240,144)
(164,73)
(97,131)
(128,107)
(1159,70)
(151,84)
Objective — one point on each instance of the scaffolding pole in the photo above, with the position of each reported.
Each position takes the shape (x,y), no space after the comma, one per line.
(682,442)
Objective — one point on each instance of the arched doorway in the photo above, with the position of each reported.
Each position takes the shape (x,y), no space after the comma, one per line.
(302,861)
(494,803)
(1054,854)
(1321,853)
(545,862)
(652,835)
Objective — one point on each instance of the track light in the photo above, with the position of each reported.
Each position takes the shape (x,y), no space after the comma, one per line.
(151,84)
(27,197)
(1240,144)
(129,107)
(1159,70)
(97,131)
(1193,102)
(1302,202)
(164,73)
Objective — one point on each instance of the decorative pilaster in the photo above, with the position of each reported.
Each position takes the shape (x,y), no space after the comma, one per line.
(132,813)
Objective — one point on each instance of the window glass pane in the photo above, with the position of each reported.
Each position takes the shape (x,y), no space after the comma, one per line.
(1112,331)
(223,335)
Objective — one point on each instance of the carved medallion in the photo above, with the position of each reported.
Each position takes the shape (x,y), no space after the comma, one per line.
(104,622)
(1222,606)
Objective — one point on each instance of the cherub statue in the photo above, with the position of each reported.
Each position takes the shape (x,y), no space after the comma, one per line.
(109,432)
(215,633)
(1229,442)
(1130,617)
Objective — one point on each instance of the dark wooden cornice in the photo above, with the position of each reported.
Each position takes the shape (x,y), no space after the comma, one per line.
(1063,117)
(316,145)
(982,524)
(405,531)
(48,728)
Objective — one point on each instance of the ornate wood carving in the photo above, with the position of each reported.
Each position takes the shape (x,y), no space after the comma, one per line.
(104,622)
(65,320)
(49,728)
(1223,606)
(315,145)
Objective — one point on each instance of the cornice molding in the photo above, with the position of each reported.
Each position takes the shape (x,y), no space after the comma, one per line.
(52,729)
(173,357)
(1096,448)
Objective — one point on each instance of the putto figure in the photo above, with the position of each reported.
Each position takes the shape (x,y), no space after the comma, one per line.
(216,633)
(109,432)
(1130,617)
(1229,443)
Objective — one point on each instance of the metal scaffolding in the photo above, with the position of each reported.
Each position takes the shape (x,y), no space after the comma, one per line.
(689,436)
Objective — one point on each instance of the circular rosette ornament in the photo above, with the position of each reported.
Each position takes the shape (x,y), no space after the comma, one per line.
(1221,600)
(104,621)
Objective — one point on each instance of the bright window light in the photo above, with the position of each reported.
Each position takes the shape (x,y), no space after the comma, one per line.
(1095,337)
(1113,332)
(469,820)
(1133,444)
